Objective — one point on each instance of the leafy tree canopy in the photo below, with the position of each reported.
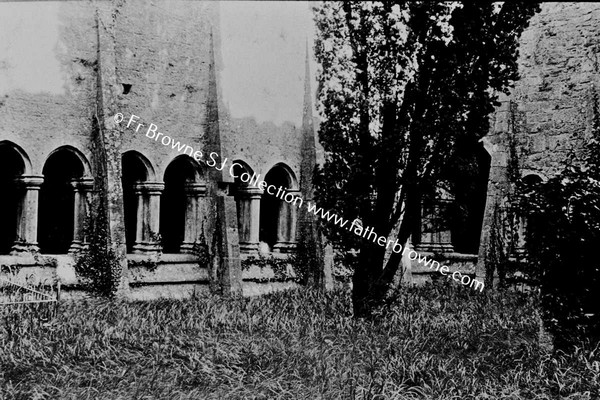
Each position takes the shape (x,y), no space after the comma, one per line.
(401,85)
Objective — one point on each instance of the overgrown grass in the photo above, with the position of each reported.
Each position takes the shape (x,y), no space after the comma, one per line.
(434,342)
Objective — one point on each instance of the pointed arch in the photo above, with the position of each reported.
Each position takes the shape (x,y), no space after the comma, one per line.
(287,172)
(247,199)
(182,205)
(24,158)
(193,171)
(59,218)
(86,170)
(277,217)
(140,202)
(141,163)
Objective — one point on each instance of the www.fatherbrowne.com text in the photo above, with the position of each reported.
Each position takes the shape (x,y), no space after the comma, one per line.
(214,161)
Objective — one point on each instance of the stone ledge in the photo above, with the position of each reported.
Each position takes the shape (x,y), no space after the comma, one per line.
(34,259)
(168,273)
(464,263)
(163,258)
(258,289)
(169,291)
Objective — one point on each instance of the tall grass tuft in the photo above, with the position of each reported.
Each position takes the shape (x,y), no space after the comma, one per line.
(434,342)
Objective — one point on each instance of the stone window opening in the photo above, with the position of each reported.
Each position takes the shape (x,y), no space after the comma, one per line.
(63,202)
(182,206)
(141,204)
(277,217)
(126,88)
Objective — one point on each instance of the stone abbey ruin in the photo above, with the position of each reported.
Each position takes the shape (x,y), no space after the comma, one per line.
(174,227)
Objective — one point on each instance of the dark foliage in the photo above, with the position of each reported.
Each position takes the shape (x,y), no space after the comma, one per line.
(563,241)
(402,86)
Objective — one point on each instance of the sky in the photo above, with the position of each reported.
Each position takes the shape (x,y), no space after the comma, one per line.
(28,44)
(263,49)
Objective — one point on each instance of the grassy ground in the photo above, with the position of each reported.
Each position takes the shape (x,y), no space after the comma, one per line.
(434,343)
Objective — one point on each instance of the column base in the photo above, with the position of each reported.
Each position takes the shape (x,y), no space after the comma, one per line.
(187,248)
(23,247)
(76,247)
(284,247)
(146,248)
(249,247)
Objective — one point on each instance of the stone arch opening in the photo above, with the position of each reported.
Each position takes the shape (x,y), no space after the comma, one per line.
(182,205)
(57,219)
(12,166)
(247,199)
(277,217)
(140,203)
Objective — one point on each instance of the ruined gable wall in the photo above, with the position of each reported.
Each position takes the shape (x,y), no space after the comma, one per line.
(549,112)
(163,51)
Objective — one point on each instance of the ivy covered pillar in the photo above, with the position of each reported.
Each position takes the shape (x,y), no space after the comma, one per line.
(220,222)
(108,249)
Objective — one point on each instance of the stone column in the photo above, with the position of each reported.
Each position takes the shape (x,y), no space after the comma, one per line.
(147,217)
(435,224)
(249,217)
(193,191)
(152,223)
(138,246)
(27,214)
(82,188)
(286,226)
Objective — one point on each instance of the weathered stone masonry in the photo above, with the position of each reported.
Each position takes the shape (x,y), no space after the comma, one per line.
(178,227)
(67,155)
(549,112)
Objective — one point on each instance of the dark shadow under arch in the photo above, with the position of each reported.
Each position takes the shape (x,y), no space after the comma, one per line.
(56,213)
(135,169)
(271,206)
(12,165)
(180,171)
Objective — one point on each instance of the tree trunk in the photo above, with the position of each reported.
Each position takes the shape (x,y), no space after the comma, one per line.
(368,290)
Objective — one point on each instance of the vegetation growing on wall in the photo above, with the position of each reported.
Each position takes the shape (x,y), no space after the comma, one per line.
(563,237)
(307,261)
(97,265)
(284,269)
